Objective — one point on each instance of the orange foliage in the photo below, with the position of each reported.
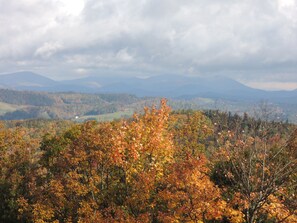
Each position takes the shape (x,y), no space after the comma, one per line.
(127,171)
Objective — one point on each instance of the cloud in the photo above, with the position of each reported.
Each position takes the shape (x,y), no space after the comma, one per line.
(273,85)
(247,40)
(48,49)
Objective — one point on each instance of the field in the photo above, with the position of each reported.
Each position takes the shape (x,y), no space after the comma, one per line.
(4,107)
(106,117)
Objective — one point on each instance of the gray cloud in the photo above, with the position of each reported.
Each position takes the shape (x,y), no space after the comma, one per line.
(248,40)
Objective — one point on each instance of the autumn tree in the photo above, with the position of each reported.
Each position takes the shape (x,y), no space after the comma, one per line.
(18,155)
(256,168)
(102,171)
(190,196)
(191,131)
(138,170)
(75,174)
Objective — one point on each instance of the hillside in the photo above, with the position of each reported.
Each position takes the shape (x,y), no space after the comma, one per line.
(16,105)
(25,81)
(28,104)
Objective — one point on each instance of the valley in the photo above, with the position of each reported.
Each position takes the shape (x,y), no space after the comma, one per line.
(27,95)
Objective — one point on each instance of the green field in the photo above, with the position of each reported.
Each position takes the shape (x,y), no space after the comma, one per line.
(4,107)
(106,117)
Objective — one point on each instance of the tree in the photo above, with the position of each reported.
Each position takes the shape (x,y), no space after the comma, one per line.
(18,156)
(126,171)
(190,196)
(191,131)
(256,168)
(106,171)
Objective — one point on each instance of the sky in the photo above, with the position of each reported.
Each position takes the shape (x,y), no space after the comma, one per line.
(252,41)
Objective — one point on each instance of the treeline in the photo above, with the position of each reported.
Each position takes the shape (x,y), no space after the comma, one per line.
(155,167)
(25,98)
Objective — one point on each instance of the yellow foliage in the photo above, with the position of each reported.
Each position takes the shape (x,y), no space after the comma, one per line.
(128,171)
(275,209)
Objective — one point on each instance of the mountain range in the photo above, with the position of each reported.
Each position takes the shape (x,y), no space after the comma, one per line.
(171,86)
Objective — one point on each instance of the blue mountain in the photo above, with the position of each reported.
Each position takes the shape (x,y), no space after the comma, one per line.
(171,86)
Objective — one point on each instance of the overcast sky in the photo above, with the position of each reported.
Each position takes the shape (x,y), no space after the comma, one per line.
(253,41)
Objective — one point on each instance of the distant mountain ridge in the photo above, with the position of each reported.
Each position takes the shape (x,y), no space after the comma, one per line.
(171,86)
(24,80)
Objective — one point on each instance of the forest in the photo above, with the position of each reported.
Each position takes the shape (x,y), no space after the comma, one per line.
(157,166)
